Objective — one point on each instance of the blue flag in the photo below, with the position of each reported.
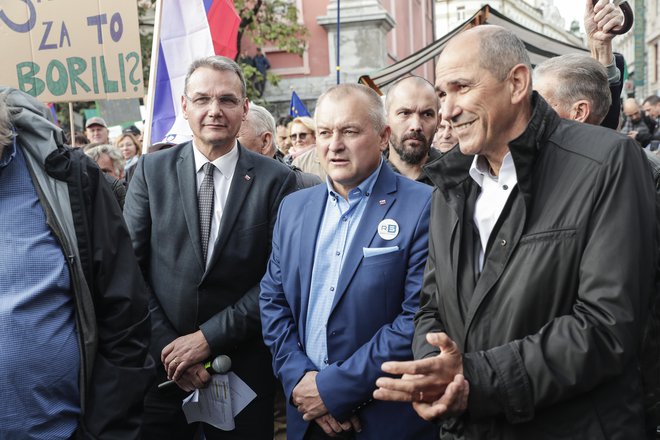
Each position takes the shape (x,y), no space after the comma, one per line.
(297,108)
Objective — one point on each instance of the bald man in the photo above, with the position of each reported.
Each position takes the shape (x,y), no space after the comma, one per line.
(411,106)
(542,258)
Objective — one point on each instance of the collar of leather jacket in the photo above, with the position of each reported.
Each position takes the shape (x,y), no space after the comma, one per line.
(452,168)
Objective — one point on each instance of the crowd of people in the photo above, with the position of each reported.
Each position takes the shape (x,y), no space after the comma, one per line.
(471,259)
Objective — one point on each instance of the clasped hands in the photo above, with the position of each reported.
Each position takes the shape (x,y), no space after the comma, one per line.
(435,386)
(183,360)
(306,398)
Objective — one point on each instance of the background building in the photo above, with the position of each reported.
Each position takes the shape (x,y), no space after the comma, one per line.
(373,34)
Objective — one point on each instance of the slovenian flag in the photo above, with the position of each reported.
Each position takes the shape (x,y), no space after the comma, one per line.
(189,29)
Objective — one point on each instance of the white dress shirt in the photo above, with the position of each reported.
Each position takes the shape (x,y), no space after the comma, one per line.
(495,191)
(223,172)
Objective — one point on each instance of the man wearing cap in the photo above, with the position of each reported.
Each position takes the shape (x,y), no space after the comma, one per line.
(344,277)
(96,131)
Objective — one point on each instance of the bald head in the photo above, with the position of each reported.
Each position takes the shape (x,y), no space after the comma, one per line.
(631,109)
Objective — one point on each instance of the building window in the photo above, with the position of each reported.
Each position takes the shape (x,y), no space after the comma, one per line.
(460,13)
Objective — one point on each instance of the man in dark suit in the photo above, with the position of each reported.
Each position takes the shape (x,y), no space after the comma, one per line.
(344,277)
(201,216)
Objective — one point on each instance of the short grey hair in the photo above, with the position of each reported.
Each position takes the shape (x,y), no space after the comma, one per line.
(261,121)
(418,81)
(220,63)
(375,108)
(113,153)
(500,51)
(6,130)
(576,77)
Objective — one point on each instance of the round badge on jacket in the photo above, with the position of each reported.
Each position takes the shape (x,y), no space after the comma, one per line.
(388,229)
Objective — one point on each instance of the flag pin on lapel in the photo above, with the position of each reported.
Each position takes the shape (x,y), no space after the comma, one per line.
(246,177)
(381,202)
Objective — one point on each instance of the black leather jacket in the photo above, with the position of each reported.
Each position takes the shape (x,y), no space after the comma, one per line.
(551,327)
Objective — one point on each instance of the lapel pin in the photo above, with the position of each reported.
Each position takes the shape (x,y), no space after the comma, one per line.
(246,177)
(381,202)
(388,229)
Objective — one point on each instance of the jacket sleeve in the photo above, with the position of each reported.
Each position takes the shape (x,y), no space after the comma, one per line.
(346,386)
(566,357)
(122,368)
(138,219)
(279,326)
(235,324)
(426,318)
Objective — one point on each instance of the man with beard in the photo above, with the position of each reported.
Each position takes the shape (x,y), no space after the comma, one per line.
(412,113)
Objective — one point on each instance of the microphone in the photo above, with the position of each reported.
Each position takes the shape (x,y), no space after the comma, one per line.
(220,365)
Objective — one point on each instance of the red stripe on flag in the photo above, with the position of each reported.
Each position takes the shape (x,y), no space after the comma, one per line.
(223,22)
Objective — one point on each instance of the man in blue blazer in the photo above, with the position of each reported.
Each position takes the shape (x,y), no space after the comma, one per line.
(342,283)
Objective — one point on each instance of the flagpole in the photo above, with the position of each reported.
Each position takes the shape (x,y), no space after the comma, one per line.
(155,50)
(72,125)
(338,29)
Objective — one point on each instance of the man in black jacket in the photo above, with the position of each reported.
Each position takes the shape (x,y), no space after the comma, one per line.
(542,257)
(74,324)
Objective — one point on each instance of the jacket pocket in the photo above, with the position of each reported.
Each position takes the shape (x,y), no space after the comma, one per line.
(550,235)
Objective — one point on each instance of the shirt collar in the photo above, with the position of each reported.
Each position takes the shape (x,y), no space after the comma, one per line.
(226,163)
(363,189)
(480,169)
(8,153)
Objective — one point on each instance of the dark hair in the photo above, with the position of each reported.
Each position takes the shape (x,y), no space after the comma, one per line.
(283,121)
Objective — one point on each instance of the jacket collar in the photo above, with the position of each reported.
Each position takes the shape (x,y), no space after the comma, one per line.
(453,167)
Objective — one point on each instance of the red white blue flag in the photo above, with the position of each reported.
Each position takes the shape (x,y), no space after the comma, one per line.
(189,29)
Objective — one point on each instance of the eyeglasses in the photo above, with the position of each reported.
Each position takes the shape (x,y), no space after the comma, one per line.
(225,101)
(302,136)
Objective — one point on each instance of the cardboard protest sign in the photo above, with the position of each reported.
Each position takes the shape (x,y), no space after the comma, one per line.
(71,50)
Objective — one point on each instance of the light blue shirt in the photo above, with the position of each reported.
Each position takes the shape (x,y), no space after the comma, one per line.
(39,353)
(340,221)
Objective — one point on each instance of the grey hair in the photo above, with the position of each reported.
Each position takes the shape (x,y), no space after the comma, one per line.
(375,108)
(500,50)
(113,153)
(418,81)
(220,63)
(576,77)
(261,121)
(6,131)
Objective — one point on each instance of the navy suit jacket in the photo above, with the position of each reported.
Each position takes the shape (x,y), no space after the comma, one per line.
(371,320)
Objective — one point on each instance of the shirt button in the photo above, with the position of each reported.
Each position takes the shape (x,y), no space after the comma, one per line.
(503,242)
(345,218)
(505,187)
(325,361)
(337,253)
(332,289)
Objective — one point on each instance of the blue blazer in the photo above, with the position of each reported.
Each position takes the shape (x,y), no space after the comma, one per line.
(371,320)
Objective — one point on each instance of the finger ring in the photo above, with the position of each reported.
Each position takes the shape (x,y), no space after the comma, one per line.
(421,396)
(175,362)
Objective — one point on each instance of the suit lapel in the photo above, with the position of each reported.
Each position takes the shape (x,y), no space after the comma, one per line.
(187,180)
(311,224)
(241,183)
(378,205)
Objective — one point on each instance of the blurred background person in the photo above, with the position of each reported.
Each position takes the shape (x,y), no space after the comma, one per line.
(283,140)
(444,139)
(96,130)
(131,149)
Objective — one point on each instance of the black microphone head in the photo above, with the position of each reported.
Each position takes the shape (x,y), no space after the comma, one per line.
(221,364)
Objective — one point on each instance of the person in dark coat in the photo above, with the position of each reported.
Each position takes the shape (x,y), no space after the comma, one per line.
(542,259)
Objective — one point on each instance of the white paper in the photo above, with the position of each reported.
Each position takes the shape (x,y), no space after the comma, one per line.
(217,404)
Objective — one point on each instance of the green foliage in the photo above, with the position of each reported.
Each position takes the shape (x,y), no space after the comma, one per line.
(272,21)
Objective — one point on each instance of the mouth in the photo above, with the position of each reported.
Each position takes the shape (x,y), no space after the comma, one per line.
(463,126)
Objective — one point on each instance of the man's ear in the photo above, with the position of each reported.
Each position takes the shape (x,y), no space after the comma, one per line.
(520,83)
(385,138)
(580,110)
(266,142)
